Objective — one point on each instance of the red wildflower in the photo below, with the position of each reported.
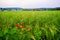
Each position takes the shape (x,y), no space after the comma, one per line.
(17,25)
(22,26)
(27,29)
(0,25)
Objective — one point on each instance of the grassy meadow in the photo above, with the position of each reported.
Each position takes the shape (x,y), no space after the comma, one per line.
(30,25)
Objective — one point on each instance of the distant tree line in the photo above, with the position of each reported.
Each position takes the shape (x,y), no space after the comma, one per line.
(58,8)
(9,9)
(39,9)
(36,9)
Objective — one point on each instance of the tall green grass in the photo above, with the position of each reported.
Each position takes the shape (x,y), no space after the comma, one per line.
(44,25)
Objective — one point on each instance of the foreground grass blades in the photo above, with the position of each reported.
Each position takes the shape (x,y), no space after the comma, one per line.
(30,25)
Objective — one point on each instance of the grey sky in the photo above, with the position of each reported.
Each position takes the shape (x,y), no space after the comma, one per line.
(30,3)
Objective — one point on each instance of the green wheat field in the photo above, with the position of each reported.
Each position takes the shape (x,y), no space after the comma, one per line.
(30,25)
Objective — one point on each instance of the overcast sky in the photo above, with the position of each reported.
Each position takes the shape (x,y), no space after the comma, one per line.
(30,3)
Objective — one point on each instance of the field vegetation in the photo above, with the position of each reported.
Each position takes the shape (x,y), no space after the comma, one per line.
(30,25)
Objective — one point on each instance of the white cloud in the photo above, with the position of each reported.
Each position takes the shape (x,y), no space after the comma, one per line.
(29,3)
(9,3)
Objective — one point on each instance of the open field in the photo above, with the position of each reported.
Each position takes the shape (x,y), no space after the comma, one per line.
(29,25)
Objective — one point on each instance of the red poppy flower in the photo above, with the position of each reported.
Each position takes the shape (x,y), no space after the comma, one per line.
(27,29)
(0,25)
(17,25)
(22,26)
